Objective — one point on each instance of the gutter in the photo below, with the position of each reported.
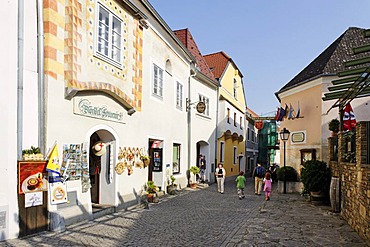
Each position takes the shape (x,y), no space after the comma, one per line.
(20,79)
(40,72)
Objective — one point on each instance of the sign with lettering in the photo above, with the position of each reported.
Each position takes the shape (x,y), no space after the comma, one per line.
(298,137)
(33,199)
(89,108)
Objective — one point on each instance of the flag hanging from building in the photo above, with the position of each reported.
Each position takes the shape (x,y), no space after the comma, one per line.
(298,111)
(291,110)
(53,163)
(157,144)
(349,119)
(277,114)
(286,111)
(282,114)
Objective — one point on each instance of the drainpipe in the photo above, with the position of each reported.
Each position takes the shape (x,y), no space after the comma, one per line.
(20,79)
(188,109)
(40,72)
(216,129)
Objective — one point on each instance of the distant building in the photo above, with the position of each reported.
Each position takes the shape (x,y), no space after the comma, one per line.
(309,133)
(231,112)
(267,143)
(251,142)
(201,125)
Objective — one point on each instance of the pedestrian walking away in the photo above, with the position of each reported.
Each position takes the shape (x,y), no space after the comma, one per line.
(240,185)
(258,174)
(268,185)
(202,166)
(220,175)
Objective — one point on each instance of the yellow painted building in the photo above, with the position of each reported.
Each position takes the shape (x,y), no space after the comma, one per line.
(231,113)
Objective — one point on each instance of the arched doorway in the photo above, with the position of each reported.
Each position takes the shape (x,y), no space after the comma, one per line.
(203,149)
(101,168)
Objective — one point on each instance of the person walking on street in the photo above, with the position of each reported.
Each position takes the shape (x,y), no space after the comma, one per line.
(240,185)
(220,175)
(258,174)
(202,166)
(268,184)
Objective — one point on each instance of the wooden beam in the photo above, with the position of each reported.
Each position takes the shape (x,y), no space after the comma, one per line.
(361,49)
(352,72)
(345,80)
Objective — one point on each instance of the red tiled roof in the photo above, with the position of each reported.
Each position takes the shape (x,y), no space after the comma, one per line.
(253,114)
(217,62)
(186,38)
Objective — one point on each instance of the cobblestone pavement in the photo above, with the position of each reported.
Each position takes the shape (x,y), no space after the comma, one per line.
(204,217)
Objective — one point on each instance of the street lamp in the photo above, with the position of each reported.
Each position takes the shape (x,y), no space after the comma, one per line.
(284,136)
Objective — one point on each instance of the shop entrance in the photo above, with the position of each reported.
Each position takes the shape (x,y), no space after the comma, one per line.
(101,167)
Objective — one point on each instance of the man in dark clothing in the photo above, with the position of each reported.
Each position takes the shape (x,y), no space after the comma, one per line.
(202,166)
(258,174)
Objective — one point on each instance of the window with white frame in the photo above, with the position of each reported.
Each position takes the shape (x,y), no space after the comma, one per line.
(109,36)
(205,100)
(157,87)
(235,119)
(179,94)
(176,158)
(235,88)
(241,122)
(222,152)
(228,115)
(235,155)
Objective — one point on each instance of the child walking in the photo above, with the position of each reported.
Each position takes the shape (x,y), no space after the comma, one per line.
(267,188)
(240,184)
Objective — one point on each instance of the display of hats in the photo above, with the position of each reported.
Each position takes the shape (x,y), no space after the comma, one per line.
(99,148)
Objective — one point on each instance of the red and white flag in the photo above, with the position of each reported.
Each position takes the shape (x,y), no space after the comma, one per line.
(157,144)
(349,119)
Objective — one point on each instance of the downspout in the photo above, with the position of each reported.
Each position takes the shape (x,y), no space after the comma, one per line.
(216,128)
(188,109)
(20,79)
(40,72)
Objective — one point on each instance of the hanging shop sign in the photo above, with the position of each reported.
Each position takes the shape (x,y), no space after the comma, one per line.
(97,109)
(258,125)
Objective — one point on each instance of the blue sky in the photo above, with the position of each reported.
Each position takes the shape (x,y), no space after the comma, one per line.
(269,40)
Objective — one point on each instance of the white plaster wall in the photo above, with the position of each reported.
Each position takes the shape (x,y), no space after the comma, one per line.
(66,127)
(30,82)
(160,118)
(203,127)
(8,131)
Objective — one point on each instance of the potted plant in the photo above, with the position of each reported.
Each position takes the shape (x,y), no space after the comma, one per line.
(291,179)
(171,188)
(33,153)
(151,190)
(194,170)
(315,176)
(334,126)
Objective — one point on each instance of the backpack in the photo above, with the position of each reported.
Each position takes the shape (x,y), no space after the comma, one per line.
(260,172)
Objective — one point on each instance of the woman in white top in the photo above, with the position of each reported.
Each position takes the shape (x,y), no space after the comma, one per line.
(220,176)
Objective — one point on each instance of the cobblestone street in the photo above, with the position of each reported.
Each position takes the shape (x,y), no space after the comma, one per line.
(204,217)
